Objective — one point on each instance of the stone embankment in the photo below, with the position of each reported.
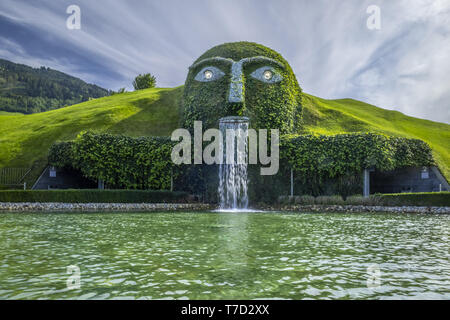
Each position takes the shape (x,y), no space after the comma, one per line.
(99,207)
(151,207)
(360,209)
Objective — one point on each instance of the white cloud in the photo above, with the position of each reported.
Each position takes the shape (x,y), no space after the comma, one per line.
(402,66)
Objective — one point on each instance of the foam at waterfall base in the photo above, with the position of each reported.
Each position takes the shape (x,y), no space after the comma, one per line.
(248,210)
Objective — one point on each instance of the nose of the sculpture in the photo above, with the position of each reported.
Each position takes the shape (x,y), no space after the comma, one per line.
(236,94)
(236,102)
(236,97)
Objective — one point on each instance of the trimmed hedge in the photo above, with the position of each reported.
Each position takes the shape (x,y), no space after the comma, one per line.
(428,199)
(94,196)
(421,199)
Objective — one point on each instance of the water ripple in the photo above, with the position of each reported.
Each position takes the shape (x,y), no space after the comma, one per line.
(225,256)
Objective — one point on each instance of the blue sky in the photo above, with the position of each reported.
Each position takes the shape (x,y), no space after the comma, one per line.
(403,66)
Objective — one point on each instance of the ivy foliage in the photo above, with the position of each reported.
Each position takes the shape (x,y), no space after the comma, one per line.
(320,163)
(122,162)
(60,154)
(324,157)
(268,105)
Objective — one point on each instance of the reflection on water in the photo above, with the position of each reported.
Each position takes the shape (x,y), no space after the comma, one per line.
(225,256)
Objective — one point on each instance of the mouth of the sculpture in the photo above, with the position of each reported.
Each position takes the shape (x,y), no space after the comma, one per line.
(233,119)
(233,182)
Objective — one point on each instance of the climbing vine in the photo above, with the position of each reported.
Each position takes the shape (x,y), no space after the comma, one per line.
(318,157)
(269,105)
(122,162)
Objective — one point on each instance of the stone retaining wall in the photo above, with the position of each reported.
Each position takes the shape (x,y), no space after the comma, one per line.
(149,207)
(99,207)
(361,209)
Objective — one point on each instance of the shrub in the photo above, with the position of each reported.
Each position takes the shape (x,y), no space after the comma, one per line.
(329,200)
(356,200)
(93,196)
(359,200)
(398,199)
(120,91)
(428,199)
(304,200)
(285,200)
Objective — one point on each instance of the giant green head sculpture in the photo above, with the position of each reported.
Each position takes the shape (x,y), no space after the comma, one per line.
(242,79)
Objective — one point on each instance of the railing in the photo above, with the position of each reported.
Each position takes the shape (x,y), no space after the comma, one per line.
(10,177)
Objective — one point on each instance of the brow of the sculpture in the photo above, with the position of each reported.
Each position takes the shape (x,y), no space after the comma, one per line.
(242,61)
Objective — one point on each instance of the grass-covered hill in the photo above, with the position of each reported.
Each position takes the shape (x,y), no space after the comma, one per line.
(28,90)
(25,139)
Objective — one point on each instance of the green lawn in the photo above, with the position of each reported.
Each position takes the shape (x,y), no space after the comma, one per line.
(25,139)
(6,113)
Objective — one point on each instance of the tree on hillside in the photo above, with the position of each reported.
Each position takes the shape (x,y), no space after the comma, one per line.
(144,81)
(121,90)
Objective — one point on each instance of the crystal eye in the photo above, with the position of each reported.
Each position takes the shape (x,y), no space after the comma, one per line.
(267,74)
(208,74)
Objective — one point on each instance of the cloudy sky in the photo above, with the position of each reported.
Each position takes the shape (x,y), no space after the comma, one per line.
(404,65)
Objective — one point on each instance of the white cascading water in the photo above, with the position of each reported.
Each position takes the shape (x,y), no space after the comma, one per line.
(233,170)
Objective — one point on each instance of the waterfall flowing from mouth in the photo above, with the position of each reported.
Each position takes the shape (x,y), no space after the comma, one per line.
(233,169)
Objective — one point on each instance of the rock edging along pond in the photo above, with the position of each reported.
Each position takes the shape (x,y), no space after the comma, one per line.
(150,207)
(99,207)
(360,209)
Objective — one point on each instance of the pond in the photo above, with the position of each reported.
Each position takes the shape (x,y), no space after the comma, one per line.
(224,256)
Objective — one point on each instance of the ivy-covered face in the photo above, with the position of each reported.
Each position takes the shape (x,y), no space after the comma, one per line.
(242,79)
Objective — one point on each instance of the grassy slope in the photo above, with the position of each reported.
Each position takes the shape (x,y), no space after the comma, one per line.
(6,113)
(25,139)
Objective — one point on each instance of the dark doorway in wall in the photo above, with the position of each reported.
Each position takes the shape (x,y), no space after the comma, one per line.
(411,179)
(55,178)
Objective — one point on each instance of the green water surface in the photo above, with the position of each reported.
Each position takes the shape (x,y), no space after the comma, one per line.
(224,256)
